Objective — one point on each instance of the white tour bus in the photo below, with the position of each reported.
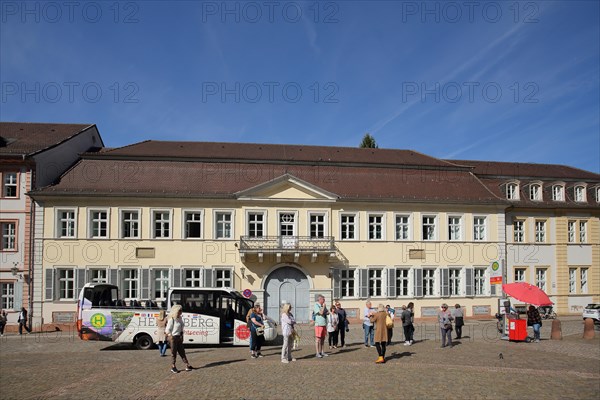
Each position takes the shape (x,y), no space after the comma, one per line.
(210,316)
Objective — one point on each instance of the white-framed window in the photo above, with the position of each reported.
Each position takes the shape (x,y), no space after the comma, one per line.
(572,280)
(256,224)
(317,225)
(402,281)
(8,230)
(98,224)
(454,281)
(287,224)
(223,277)
(428,227)
(7,301)
(512,191)
(192,224)
(161,224)
(130,224)
(67,223)
(66,284)
(161,283)
(428,281)
(520,274)
(223,225)
(10,185)
(193,277)
(558,193)
(571,231)
(540,278)
(348,226)
(540,231)
(582,232)
(519,231)
(479,228)
(454,228)
(130,284)
(580,193)
(98,275)
(598,194)
(583,282)
(535,192)
(348,282)
(375,282)
(479,281)
(376,224)
(402,227)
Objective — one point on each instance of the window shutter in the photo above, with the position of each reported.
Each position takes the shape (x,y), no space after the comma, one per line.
(418,273)
(391,289)
(337,283)
(208,277)
(493,290)
(79,280)
(444,287)
(469,282)
(177,276)
(113,276)
(18,296)
(363,282)
(50,284)
(146,284)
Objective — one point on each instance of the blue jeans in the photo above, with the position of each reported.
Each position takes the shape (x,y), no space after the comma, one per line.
(446,337)
(162,347)
(369,334)
(536,331)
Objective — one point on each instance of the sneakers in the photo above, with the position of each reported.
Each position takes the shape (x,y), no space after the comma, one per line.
(285,361)
(537,340)
(293,359)
(260,355)
(407,343)
(253,356)
(324,355)
(174,370)
(189,368)
(319,355)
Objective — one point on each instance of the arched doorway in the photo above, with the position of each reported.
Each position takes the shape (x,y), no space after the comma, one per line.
(287,284)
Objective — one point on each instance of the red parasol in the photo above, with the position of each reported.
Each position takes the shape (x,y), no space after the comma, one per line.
(527,293)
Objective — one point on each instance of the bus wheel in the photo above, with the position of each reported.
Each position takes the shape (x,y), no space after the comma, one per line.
(143,342)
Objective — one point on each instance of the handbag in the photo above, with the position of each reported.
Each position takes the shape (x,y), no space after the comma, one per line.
(389,323)
(260,331)
(448,326)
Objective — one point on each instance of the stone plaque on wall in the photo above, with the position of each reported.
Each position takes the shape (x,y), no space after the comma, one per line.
(429,311)
(482,310)
(63,317)
(352,313)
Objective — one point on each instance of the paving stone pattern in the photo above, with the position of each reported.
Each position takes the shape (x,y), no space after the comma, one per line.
(61,366)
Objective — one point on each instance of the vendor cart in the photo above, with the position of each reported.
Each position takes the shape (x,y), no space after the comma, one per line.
(517,330)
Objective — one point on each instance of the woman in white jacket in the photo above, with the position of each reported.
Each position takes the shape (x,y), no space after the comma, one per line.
(174,332)
(287,329)
(332,327)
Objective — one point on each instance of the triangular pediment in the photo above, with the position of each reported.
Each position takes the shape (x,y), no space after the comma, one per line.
(287,187)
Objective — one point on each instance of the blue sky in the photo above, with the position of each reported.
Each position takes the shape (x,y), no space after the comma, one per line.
(504,81)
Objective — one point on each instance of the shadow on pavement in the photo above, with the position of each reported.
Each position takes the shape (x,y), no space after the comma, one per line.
(219,363)
(396,355)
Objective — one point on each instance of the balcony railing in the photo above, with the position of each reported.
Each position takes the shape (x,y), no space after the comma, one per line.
(283,244)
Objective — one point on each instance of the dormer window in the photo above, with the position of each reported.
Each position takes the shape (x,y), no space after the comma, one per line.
(512,191)
(580,193)
(558,193)
(535,192)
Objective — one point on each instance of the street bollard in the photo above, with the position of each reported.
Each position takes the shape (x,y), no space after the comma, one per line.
(588,328)
(556,330)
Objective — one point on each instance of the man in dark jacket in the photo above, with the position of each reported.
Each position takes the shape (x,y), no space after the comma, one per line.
(342,323)
(22,320)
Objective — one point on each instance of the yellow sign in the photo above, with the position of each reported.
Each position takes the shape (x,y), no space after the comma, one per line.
(495,266)
(98,320)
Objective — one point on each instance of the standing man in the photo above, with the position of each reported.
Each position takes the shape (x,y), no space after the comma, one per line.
(342,324)
(22,320)
(368,325)
(320,313)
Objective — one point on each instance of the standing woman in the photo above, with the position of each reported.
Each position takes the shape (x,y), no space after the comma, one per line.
(342,323)
(174,331)
(381,338)
(459,318)
(534,319)
(161,324)
(445,320)
(257,331)
(287,329)
(332,327)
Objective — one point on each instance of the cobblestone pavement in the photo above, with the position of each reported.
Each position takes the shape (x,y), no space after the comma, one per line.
(57,365)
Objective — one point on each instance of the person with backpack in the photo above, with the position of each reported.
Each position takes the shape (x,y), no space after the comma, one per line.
(257,329)
(249,323)
(320,316)
(407,323)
